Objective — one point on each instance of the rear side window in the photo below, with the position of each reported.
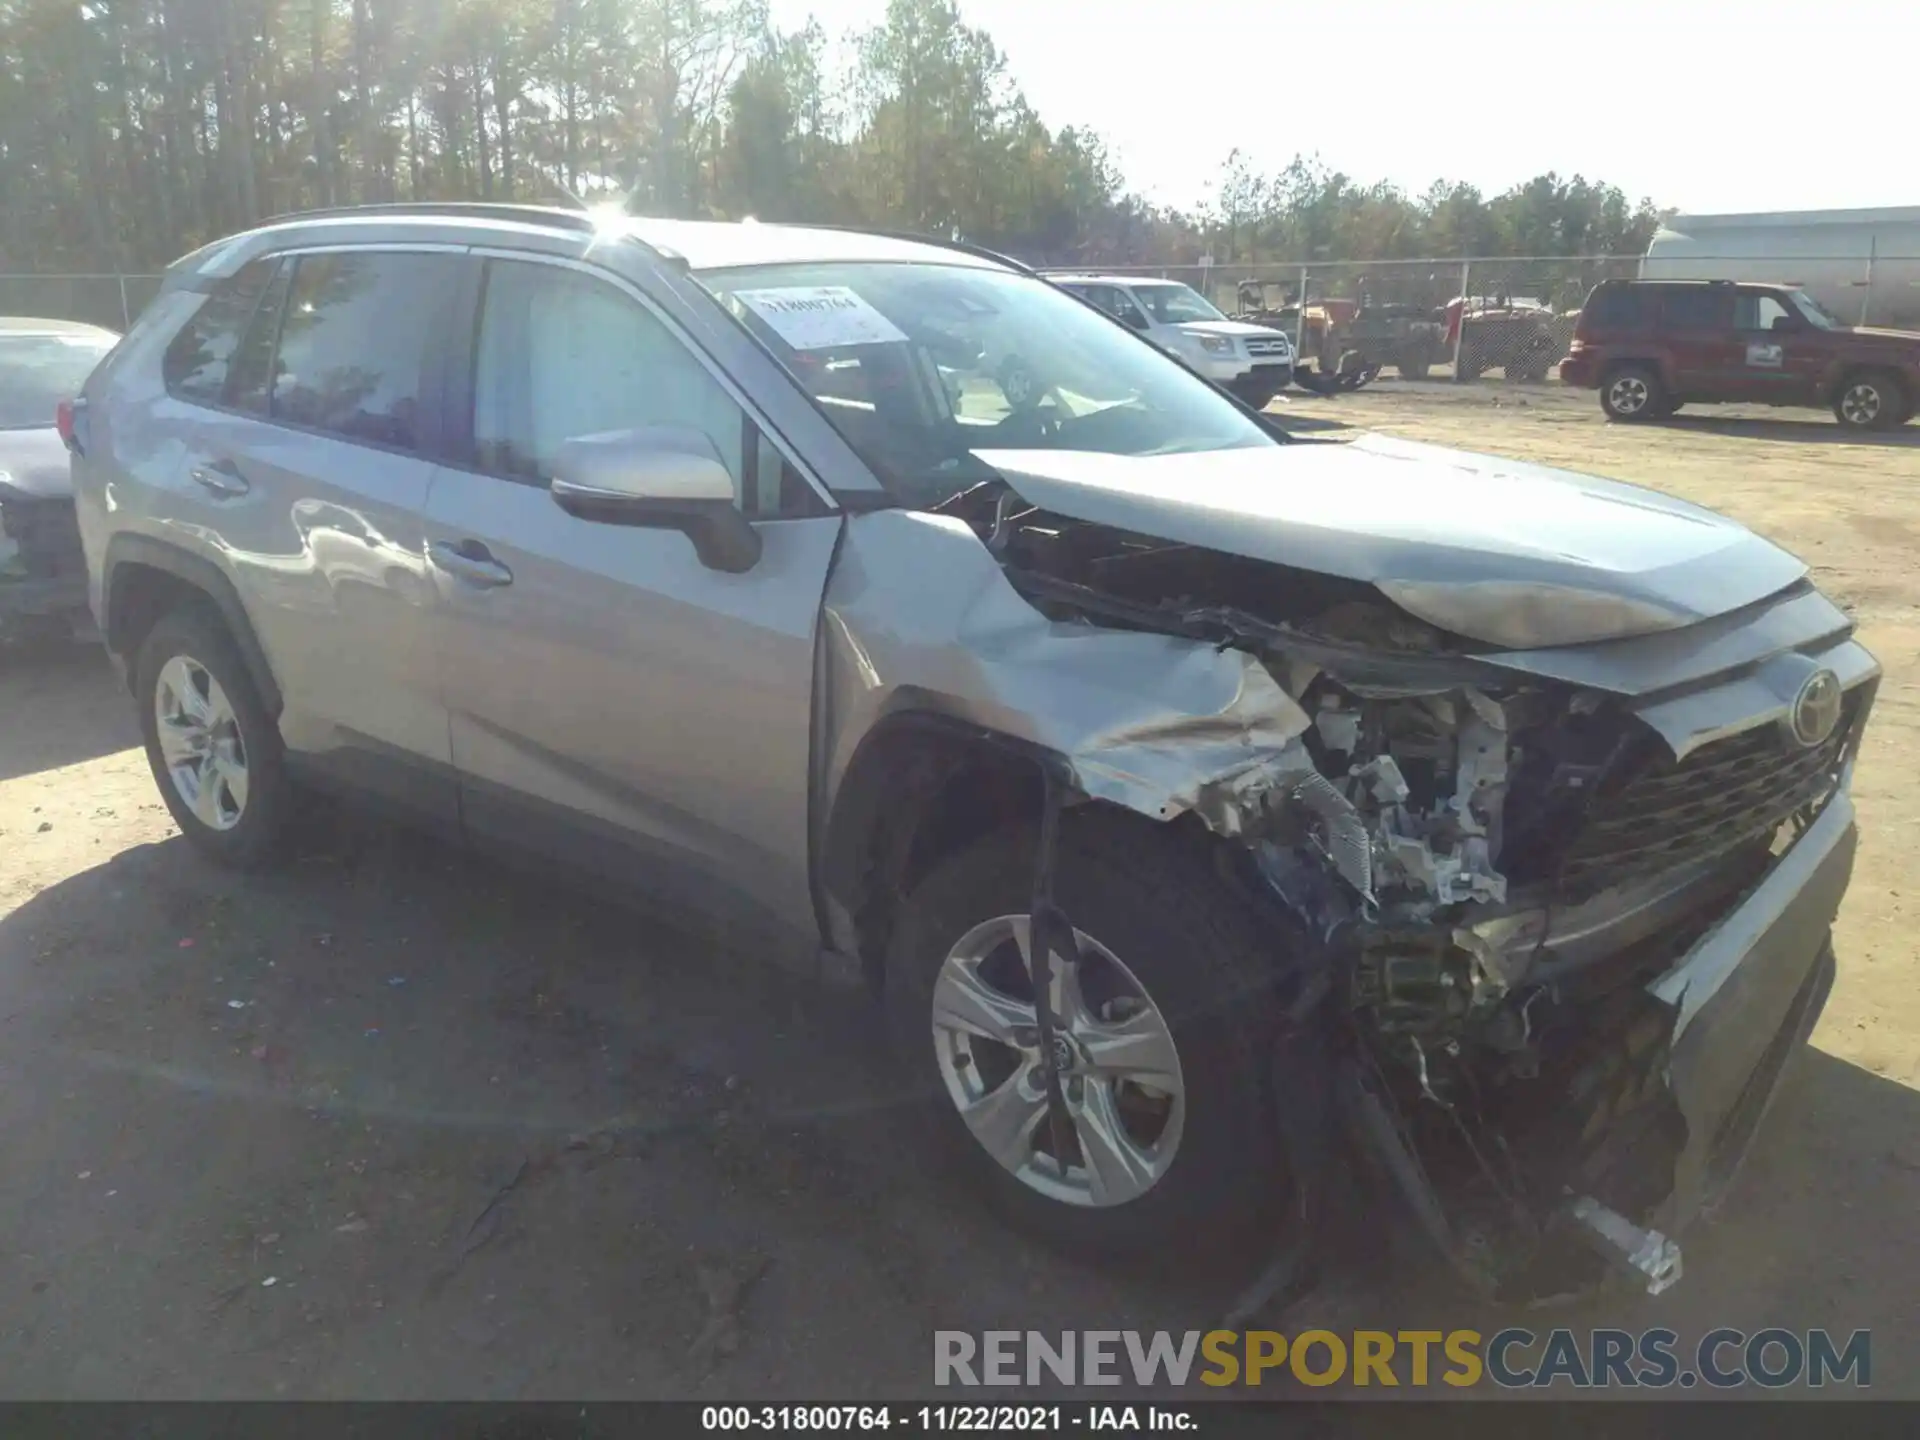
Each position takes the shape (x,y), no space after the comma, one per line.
(1616,307)
(353,342)
(1698,309)
(196,363)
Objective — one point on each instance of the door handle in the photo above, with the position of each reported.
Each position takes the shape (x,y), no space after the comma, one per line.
(470,561)
(219,476)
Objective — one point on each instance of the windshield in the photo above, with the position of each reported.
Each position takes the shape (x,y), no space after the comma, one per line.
(37,372)
(1175,304)
(926,369)
(1810,308)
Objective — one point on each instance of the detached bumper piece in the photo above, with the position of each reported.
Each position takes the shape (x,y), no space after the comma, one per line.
(43,571)
(1644,1119)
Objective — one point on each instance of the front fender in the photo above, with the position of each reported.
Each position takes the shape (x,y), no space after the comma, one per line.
(918,616)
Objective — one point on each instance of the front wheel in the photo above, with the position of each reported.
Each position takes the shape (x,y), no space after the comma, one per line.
(1870,400)
(214,750)
(1165,1023)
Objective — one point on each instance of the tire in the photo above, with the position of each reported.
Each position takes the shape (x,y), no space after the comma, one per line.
(245,804)
(1469,366)
(1871,400)
(1018,384)
(1189,942)
(1411,369)
(1633,393)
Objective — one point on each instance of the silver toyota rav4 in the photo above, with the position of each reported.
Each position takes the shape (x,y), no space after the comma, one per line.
(1477,824)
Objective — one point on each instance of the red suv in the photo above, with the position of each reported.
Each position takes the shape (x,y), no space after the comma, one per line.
(1650,346)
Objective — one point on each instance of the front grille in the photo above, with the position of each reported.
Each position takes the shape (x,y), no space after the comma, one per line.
(1725,795)
(1266,347)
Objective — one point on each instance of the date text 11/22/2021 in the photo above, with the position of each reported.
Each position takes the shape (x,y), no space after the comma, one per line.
(987,1419)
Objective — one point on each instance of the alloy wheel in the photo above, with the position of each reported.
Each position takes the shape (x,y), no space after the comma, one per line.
(1628,395)
(200,742)
(1861,403)
(1115,1055)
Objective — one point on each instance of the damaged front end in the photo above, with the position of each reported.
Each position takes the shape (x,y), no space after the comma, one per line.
(1510,885)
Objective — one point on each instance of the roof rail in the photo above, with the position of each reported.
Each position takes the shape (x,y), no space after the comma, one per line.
(451,209)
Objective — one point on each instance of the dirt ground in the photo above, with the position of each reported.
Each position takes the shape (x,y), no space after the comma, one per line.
(394,1123)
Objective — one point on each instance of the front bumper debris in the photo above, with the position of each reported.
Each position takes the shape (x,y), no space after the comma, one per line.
(1741,1001)
(43,571)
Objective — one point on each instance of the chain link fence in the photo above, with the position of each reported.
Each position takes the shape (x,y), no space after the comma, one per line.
(1432,318)
(110,301)
(1499,319)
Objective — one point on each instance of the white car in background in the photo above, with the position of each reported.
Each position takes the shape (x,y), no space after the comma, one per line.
(1253,362)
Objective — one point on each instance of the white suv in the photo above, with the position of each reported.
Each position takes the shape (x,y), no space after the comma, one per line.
(1252,361)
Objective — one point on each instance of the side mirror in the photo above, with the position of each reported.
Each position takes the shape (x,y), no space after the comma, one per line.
(661,477)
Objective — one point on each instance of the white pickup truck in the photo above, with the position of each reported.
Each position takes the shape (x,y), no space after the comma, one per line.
(1253,362)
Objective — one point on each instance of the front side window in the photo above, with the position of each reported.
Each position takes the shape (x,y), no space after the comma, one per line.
(195,365)
(353,342)
(1175,304)
(1758,312)
(563,354)
(927,369)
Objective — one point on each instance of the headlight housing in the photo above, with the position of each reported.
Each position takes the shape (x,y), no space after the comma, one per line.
(1217,344)
(1523,615)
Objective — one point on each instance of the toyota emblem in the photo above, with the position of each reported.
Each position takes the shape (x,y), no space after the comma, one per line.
(1816,709)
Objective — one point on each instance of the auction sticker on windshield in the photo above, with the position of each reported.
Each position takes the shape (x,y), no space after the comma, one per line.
(820,317)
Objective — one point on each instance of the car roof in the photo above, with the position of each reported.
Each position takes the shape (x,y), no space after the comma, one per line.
(72,329)
(734,244)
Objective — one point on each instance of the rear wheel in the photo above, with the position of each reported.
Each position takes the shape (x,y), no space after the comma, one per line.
(1871,400)
(1412,367)
(214,750)
(1633,392)
(1161,1045)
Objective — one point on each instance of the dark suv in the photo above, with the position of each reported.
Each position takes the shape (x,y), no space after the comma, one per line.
(1650,346)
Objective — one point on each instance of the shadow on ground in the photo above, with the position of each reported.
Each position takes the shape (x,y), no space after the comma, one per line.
(63,706)
(393,1122)
(1799,432)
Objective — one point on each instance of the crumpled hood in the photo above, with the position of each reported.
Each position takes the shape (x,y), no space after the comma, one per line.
(1448,534)
(34,463)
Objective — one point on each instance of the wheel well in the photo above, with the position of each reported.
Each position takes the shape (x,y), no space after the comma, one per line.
(147,579)
(915,793)
(141,595)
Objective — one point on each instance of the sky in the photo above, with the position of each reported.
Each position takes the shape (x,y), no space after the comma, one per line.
(1699,105)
